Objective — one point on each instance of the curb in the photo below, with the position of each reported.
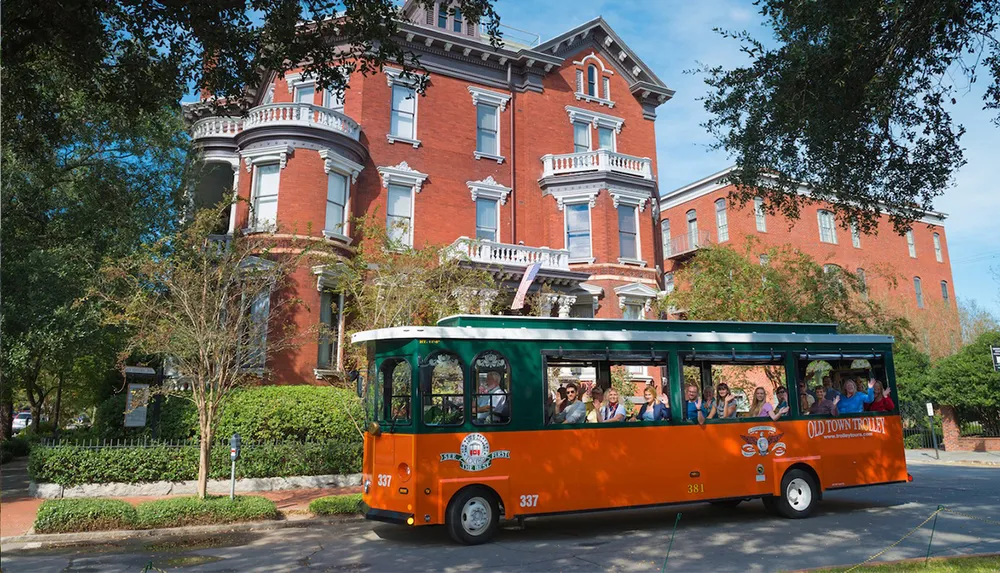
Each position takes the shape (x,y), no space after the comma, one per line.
(50,540)
(975,463)
(941,558)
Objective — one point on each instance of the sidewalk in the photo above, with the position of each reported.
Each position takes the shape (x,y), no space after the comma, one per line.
(926,456)
(18,512)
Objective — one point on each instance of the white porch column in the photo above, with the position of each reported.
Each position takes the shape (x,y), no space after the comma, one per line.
(464,297)
(546,303)
(486,298)
(566,303)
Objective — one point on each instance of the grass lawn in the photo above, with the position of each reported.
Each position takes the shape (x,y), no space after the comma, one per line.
(989,564)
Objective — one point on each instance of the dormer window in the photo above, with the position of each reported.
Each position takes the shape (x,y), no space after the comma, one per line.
(457,23)
(593,81)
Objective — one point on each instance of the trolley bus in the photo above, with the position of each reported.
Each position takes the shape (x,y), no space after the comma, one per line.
(462,426)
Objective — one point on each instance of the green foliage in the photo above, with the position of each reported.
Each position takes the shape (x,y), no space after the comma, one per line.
(16,447)
(336,504)
(723,283)
(621,380)
(67,515)
(181,511)
(75,465)
(178,419)
(967,377)
(305,413)
(913,442)
(851,99)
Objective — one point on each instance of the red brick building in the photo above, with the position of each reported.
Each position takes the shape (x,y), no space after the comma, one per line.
(700,213)
(541,151)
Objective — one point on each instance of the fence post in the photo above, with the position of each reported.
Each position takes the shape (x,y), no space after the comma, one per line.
(933,526)
(930,424)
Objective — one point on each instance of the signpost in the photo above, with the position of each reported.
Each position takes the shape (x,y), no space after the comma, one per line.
(930,422)
(995,351)
(234,454)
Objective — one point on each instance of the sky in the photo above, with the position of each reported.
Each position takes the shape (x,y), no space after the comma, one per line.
(675,37)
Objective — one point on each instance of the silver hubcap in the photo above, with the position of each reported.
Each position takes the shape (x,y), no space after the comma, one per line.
(799,494)
(476,516)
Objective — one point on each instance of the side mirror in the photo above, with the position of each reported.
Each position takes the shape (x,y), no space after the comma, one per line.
(425,378)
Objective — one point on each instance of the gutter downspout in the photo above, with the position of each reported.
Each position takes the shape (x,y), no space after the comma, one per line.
(513,158)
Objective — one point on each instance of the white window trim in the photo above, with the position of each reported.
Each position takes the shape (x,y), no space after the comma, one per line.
(833,226)
(590,201)
(725,214)
(602,81)
(253,227)
(395,76)
(497,100)
(594,118)
(911,244)
(267,154)
(638,242)
(614,139)
(760,217)
(328,278)
(590,135)
(403,175)
(491,190)
(333,162)
(475,201)
(636,199)
(855,236)
(938,251)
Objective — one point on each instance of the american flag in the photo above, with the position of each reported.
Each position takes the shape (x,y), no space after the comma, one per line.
(526,280)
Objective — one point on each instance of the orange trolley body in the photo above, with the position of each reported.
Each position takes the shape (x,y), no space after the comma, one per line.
(415,475)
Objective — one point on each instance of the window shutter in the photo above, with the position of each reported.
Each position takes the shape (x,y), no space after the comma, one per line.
(579,81)
(607,89)
(470,28)
(429,11)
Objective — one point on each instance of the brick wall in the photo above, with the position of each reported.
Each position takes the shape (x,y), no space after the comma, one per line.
(953,440)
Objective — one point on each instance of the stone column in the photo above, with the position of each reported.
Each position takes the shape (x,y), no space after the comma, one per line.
(486,298)
(546,301)
(949,427)
(566,303)
(464,297)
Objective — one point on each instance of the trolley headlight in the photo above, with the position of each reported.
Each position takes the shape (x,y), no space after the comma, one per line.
(368,485)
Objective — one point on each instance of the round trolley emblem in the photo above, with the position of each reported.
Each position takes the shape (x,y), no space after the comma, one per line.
(761,441)
(475,454)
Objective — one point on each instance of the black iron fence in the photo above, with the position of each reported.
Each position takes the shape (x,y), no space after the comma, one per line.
(917,432)
(978,421)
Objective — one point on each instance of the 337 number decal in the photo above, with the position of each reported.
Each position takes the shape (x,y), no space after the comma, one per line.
(696,488)
(384,479)
(529,501)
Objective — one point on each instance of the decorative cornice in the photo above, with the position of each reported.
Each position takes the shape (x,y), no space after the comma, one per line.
(489,97)
(296,79)
(402,174)
(596,118)
(395,75)
(488,189)
(333,161)
(569,196)
(267,154)
(622,196)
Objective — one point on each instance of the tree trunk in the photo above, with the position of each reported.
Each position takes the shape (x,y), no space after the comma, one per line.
(6,418)
(204,457)
(55,429)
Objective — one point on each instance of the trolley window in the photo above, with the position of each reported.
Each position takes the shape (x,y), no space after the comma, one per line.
(491,399)
(443,390)
(396,375)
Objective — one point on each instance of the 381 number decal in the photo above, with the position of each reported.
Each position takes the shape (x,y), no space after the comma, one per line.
(384,479)
(529,501)
(696,488)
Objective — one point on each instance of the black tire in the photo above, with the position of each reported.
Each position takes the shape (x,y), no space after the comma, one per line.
(770,504)
(726,502)
(799,494)
(473,516)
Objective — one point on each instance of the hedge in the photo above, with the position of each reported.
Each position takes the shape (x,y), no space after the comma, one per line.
(260,413)
(66,515)
(75,465)
(181,511)
(336,504)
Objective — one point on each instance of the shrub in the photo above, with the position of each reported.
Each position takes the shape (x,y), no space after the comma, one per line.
(178,419)
(181,511)
(74,465)
(336,504)
(914,442)
(66,515)
(17,446)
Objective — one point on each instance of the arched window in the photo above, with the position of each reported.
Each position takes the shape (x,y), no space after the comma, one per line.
(665,236)
(721,220)
(827,227)
(919,292)
(758,214)
(444,401)
(592,80)
(911,244)
(692,220)
(491,375)
(937,248)
(944,291)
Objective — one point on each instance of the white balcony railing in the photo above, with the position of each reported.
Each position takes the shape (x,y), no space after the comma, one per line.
(278,114)
(598,160)
(482,251)
(688,243)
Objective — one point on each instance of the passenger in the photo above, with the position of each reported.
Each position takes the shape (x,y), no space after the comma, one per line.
(761,408)
(831,392)
(883,399)
(724,405)
(823,405)
(561,402)
(692,405)
(652,410)
(809,397)
(782,408)
(613,411)
(574,412)
(707,400)
(492,402)
(852,402)
(596,401)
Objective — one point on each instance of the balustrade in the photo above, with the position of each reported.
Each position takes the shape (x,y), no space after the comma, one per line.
(597,160)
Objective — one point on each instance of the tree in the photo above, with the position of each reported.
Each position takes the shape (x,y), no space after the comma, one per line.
(967,378)
(387,283)
(218,310)
(723,283)
(850,100)
(974,320)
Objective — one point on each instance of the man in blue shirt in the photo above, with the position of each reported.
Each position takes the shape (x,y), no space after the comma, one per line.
(831,392)
(852,402)
(692,405)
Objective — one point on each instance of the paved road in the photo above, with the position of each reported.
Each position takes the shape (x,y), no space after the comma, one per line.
(849,526)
